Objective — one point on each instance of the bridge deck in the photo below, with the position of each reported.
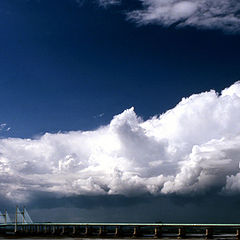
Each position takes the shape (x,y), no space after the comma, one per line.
(128,224)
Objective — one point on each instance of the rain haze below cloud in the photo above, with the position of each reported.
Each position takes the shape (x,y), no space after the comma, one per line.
(167,208)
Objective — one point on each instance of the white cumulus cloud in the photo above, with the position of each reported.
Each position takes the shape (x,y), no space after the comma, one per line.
(206,14)
(193,148)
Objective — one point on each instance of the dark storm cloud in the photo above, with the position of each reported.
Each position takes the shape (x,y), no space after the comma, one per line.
(50,200)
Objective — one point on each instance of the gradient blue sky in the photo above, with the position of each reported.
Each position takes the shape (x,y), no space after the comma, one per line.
(69,67)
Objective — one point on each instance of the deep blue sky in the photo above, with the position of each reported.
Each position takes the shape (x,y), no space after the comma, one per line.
(73,65)
(62,65)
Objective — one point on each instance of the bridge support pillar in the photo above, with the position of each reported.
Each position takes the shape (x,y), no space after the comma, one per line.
(74,230)
(209,233)
(181,233)
(136,232)
(101,231)
(87,231)
(157,232)
(118,232)
(53,230)
(238,234)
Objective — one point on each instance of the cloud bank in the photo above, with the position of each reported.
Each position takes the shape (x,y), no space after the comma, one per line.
(193,148)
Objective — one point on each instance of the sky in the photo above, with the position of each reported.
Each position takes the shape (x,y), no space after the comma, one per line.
(117,110)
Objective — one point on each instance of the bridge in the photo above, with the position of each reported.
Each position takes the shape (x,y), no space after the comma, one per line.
(24,226)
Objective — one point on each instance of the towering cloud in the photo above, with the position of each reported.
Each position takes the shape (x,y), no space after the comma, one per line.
(193,148)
